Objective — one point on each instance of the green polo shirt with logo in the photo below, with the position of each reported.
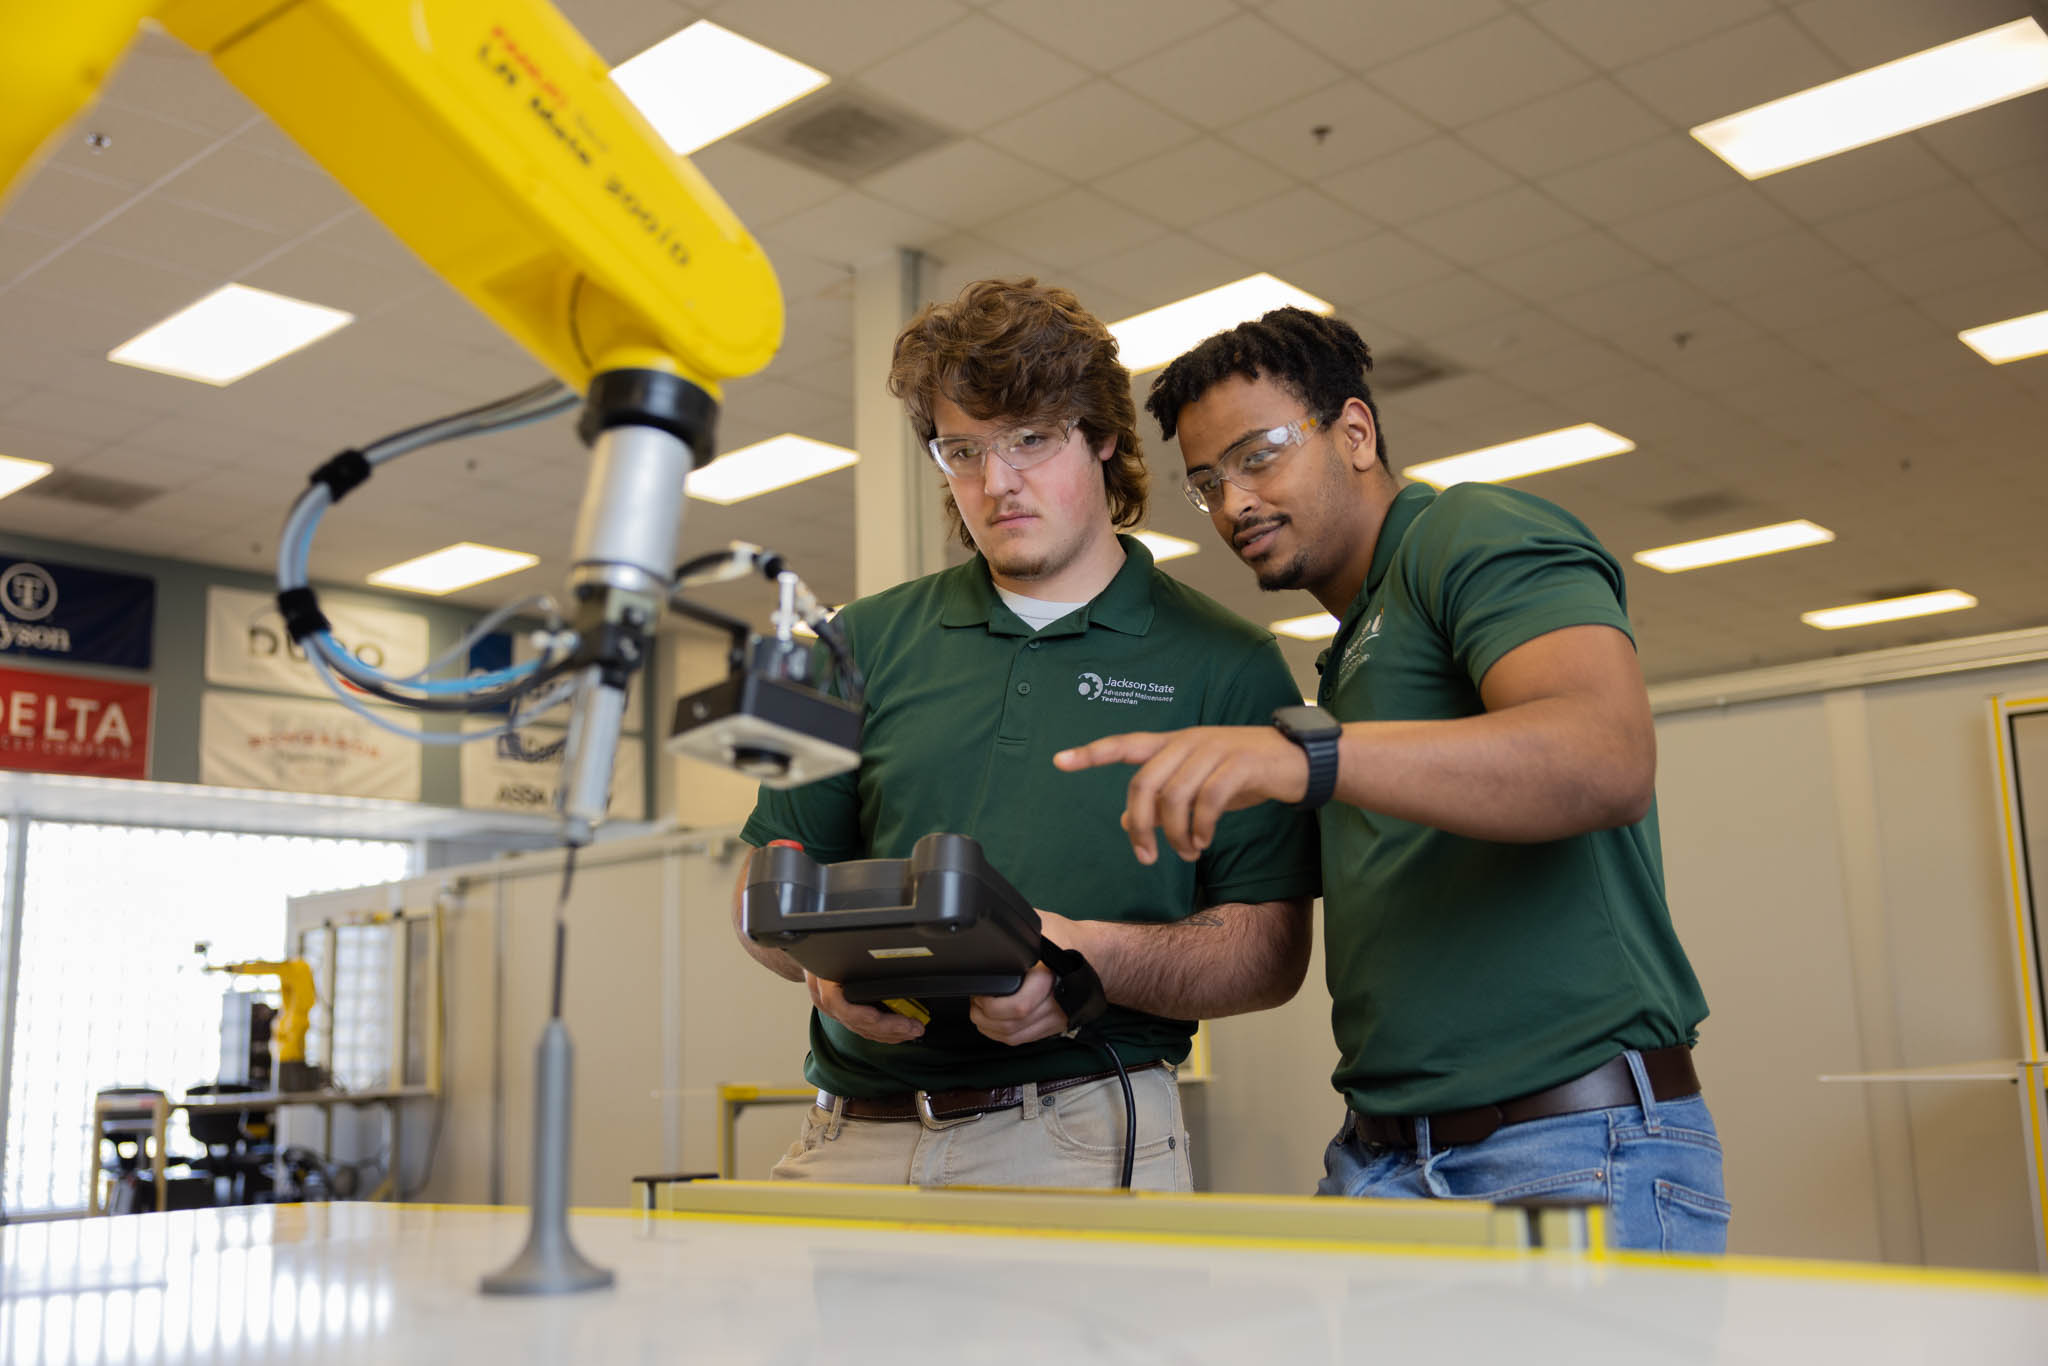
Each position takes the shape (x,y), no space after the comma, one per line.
(1464,972)
(965,707)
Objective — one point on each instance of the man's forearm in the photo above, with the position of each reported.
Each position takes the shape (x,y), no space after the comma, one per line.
(1222,960)
(775,960)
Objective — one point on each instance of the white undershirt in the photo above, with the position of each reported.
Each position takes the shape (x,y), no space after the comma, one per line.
(1037,613)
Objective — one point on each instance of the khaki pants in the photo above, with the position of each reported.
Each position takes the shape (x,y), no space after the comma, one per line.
(1072,1138)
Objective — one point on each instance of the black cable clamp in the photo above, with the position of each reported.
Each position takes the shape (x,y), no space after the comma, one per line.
(342,474)
(302,614)
(1075,987)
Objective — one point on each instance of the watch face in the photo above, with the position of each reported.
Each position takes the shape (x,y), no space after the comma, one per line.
(1309,723)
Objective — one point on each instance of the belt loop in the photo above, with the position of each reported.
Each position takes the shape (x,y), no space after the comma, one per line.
(1645,1095)
(1422,1152)
(1030,1102)
(832,1125)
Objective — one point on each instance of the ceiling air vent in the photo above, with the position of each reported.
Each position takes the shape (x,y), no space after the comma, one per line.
(846,134)
(1399,370)
(92,490)
(1696,506)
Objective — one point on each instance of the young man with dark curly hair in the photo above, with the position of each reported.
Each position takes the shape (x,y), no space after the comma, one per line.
(1056,631)
(1514,1014)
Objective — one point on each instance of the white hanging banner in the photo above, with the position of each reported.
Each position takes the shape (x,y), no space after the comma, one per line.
(285,745)
(247,647)
(494,778)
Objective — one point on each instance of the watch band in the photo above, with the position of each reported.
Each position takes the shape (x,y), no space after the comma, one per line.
(1318,735)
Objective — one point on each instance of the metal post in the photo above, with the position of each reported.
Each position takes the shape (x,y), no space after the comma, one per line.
(10,982)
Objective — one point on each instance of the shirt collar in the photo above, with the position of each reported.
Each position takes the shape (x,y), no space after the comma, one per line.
(1124,605)
(1408,504)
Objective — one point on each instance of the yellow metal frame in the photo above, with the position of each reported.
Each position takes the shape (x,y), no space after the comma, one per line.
(2026,954)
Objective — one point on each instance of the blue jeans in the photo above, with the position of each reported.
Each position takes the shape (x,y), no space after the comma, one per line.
(1656,1166)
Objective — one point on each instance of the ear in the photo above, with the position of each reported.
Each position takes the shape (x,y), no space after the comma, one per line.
(1107,450)
(1356,434)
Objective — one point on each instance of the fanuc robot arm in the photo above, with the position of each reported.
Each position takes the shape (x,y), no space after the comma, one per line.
(488,136)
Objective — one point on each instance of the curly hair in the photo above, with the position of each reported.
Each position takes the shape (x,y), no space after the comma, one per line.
(1019,349)
(1319,360)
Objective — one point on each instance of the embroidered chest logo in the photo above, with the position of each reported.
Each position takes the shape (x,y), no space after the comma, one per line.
(1359,649)
(1127,692)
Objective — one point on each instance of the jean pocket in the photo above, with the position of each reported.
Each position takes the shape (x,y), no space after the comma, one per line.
(1690,1220)
(1589,1185)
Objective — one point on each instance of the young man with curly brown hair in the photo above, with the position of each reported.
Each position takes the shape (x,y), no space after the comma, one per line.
(1056,631)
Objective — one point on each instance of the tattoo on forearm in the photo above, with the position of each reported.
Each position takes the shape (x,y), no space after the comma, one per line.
(1211,918)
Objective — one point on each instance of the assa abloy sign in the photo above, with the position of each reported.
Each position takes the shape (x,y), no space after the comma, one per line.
(76,615)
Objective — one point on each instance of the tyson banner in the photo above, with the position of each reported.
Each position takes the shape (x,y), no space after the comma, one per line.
(57,723)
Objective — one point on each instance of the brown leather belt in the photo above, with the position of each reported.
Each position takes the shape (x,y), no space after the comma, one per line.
(960,1103)
(1669,1069)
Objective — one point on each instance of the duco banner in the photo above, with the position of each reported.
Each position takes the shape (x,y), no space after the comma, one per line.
(247,647)
(58,723)
(76,615)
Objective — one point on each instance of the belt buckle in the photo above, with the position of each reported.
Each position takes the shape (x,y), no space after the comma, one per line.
(931,1121)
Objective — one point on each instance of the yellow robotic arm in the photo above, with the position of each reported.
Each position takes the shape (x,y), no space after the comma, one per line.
(295,984)
(490,138)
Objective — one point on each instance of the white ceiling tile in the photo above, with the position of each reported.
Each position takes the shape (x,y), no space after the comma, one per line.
(839,39)
(963,182)
(1617,32)
(1593,119)
(1110,37)
(1741,271)
(61,202)
(1647,298)
(1228,72)
(1193,182)
(1417,181)
(1444,305)
(1160,272)
(1285,227)
(1363,38)
(140,148)
(160,74)
(98,421)
(1997,254)
(1857,179)
(59,445)
(1666,341)
(190,240)
(1357,123)
(761,188)
(1482,71)
(953,263)
(1469,402)
(1921,221)
(114,285)
(1858,334)
(1007,72)
(1866,33)
(1499,225)
(1072,229)
(1570,266)
(2014,133)
(1356,272)
(1503,342)
(1566,367)
(262,191)
(2020,193)
(31,516)
(1731,71)
(850,228)
(1988,301)
(20,249)
(619,29)
(1668,170)
(1091,131)
(1787,305)
(1700,227)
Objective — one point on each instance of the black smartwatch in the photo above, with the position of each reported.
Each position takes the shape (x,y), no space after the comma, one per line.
(1317,732)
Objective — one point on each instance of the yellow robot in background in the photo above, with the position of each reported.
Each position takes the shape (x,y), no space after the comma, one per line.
(288,1039)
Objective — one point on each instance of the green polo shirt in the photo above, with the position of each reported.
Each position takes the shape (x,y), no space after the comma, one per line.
(1464,972)
(965,708)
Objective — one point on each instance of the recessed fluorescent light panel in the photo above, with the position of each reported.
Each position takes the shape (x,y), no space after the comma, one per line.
(17,474)
(706,81)
(2013,339)
(1163,546)
(232,332)
(456,566)
(1870,106)
(1736,545)
(1319,626)
(1889,609)
(1146,341)
(1530,455)
(765,466)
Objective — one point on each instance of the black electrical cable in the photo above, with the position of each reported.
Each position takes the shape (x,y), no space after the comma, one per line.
(1130,1112)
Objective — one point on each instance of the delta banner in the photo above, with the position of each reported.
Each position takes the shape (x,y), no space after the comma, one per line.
(58,723)
(503,649)
(283,744)
(523,777)
(74,615)
(247,646)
